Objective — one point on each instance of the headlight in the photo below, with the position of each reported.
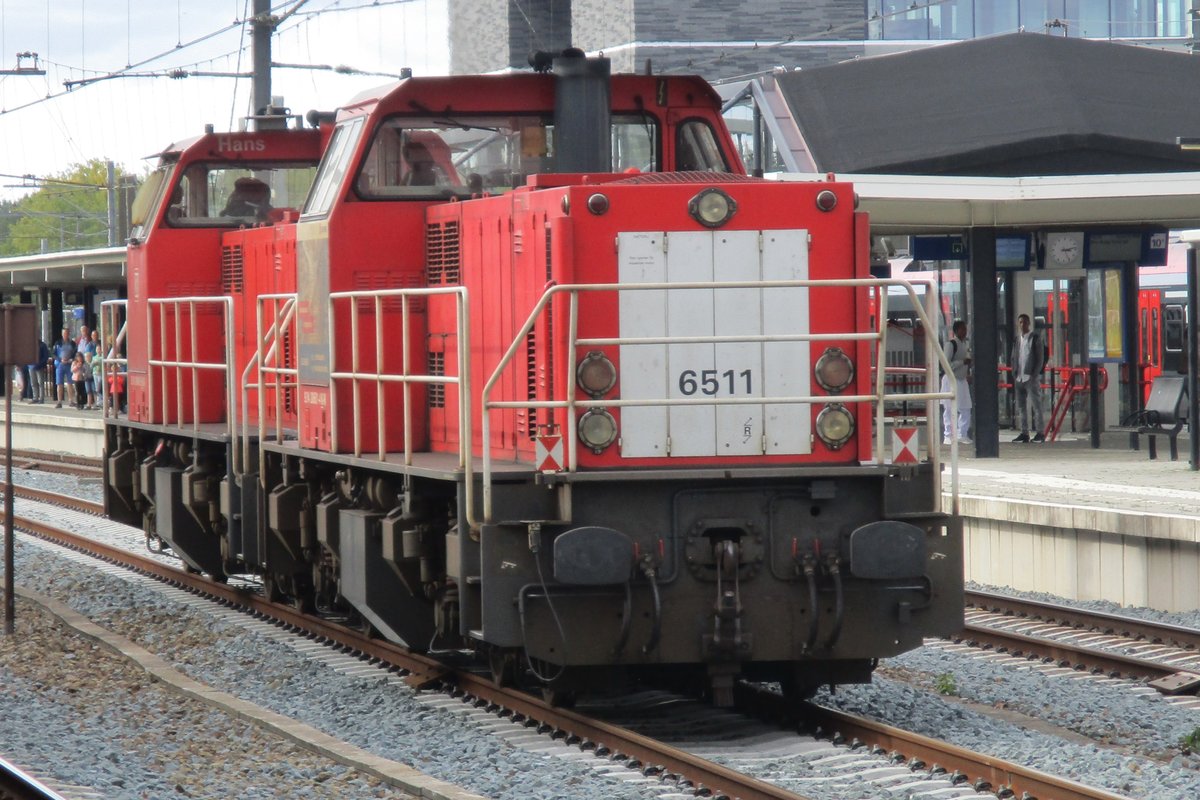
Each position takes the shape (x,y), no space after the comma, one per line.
(596,374)
(834,370)
(712,208)
(835,425)
(597,429)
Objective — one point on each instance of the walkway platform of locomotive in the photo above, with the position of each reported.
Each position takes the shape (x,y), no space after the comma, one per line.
(1057,517)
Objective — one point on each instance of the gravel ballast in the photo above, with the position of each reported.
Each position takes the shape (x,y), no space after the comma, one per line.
(83,715)
(1134,739)
(365,711)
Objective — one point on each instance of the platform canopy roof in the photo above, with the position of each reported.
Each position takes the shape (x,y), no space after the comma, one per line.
(1021,104)
(907,204)
(101,266)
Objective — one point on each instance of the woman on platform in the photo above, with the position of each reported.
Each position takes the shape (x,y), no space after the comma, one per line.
(79,375)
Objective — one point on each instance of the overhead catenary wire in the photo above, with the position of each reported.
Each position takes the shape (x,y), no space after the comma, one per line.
(80,126)
(180,72)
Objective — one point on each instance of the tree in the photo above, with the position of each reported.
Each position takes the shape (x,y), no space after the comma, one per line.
(69,212)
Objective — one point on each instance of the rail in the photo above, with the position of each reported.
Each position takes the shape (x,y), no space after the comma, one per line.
(879,397)
(115,366)
(15,782)
(1066,384)
(1075,381)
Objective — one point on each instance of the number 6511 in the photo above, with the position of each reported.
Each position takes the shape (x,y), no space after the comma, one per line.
(711,382)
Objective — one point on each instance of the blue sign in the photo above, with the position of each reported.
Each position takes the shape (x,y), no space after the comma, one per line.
(939,248)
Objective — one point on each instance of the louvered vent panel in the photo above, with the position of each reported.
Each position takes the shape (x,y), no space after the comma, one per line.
(232,265)
(442,253)
(437,391)
(549,369)
(377,281)
(527,422)
(288,360)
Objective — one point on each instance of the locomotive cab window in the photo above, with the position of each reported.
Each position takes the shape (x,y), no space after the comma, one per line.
(224,195)
(465,155)
(334,165)
(696,148)
(147,200)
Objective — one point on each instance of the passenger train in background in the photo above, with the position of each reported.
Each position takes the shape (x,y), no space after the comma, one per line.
(532,370)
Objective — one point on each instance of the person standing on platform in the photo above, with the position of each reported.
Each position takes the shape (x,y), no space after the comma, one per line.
(98,378)
(64,354)
(959,352)
(80,372)
(1028,359)
(87,346)
(37,372)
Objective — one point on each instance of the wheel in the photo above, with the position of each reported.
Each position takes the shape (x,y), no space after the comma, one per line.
(303,602)
(357,622)
(559,698)
(796,691)
(271,589)
(503,663)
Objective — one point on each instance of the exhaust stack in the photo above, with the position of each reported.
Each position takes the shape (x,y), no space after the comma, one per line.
(582,113)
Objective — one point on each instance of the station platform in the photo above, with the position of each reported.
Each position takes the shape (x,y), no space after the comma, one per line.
(55,430)
(1057,517)
(1082,523)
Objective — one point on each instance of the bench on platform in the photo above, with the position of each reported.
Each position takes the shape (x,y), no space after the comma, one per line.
(1165,413)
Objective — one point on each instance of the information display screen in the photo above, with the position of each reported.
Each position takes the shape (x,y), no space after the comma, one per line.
(1012,252)
(1110,248)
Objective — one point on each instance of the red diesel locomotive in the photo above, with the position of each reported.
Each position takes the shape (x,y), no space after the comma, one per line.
(537,372)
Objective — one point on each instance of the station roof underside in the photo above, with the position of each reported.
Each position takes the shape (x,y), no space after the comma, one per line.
(906,204)
(104,266)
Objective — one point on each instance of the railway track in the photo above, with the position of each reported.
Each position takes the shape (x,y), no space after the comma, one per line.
(925,760)
(16,784)
(1166,657)
(79,466)
(421,672)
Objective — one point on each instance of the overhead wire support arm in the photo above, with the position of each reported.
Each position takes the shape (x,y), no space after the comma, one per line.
(173,74)
(23,68)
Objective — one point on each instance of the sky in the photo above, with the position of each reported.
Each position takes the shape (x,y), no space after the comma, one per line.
(46,128)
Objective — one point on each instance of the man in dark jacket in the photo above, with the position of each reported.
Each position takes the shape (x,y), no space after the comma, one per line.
(37,372)
(1028,360)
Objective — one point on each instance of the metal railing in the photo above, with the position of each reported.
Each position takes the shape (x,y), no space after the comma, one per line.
(269,363)
(115,367)
(275,375)
(193,368)
(879,397)
(361,377)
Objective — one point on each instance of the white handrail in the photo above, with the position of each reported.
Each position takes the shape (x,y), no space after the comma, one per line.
(878,337)
(357,376)
(225,304)
(112,315)
(281,321)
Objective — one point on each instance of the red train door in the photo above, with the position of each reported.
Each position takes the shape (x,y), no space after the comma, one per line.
(1150,332)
